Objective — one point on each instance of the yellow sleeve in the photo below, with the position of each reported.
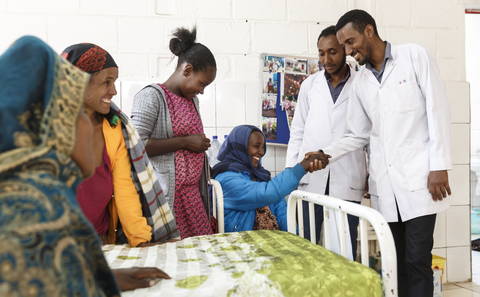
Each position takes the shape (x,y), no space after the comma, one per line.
(126,198)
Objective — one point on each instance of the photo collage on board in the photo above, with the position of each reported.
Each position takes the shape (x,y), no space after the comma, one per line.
(291,71)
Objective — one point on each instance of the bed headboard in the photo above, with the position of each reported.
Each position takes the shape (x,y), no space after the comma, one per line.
(340,208)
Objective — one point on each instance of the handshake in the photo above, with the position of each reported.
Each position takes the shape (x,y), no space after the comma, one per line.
(314,161)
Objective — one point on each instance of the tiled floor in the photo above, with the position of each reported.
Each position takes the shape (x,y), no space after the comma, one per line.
(461,290)
(471,289)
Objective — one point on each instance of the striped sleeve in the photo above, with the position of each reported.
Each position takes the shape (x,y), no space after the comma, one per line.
(145,111)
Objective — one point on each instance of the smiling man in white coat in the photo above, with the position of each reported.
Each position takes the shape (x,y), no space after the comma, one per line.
(319,119)
(399,106)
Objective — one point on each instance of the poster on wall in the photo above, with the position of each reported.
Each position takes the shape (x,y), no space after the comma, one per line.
(273,64)
(313,66)
(291,89)
(270,83)
(296,65)
(269,128)
(282,77)
(269,105)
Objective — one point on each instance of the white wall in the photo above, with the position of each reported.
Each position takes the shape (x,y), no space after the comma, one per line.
(472,48)
(237,31)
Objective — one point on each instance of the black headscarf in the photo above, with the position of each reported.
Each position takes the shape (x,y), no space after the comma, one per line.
(89,57)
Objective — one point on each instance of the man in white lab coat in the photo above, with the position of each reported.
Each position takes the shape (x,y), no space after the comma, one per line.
(319,119)
(399,106)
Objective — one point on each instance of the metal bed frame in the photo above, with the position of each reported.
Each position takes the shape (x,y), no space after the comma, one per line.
(338,208)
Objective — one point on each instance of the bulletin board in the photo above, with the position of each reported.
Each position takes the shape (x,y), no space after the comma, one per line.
(281,80)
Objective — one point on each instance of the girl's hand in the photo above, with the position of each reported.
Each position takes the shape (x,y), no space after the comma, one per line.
(197,143)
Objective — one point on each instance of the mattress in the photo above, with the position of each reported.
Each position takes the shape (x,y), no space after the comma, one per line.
(252,263)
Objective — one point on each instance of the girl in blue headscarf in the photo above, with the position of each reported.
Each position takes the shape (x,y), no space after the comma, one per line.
(47,247)
(252,199)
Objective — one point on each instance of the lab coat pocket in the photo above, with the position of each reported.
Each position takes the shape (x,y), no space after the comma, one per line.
(407,96)
(357,183)
(356,171)
(415,166)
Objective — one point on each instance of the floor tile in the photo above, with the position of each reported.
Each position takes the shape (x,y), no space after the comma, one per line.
(470,286)
(460,292)
(450,286)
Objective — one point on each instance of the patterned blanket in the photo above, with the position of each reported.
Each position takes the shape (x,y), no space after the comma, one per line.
(253,263)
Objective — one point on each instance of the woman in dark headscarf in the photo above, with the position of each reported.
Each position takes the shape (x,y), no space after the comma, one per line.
(124,191)
(47,248)
(252,199)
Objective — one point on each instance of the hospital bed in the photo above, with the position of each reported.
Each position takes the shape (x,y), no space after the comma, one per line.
(337,208)
(267,263)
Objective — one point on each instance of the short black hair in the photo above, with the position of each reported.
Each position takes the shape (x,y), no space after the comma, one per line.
(359,19)
(330,30)
(184,46)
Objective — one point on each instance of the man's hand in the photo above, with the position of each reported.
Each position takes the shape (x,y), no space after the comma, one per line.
(138,277)
(319,155)
(197,143)
(314,161)
(438,185)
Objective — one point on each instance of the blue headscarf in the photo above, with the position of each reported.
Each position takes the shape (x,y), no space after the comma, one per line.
(27,74)
(233,154)
(45,241)
(37,109)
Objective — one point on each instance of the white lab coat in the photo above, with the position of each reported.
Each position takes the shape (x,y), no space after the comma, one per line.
(316,124)
(406,120)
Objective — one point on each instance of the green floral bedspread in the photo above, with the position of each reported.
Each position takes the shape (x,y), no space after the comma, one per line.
(253,263)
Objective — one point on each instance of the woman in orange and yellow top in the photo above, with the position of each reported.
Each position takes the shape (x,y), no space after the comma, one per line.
(109,197)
